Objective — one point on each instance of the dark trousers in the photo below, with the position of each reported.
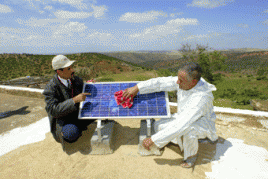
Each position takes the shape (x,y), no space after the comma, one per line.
(70,131)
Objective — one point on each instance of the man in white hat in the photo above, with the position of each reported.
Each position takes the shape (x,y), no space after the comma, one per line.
(63,94)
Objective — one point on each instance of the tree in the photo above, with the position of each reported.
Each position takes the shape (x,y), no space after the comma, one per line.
(209,62)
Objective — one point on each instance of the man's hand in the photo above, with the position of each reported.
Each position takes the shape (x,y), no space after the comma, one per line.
(147,143)
(131,91)
(81,97)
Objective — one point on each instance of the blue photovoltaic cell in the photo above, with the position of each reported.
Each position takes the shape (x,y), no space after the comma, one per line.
(102,104)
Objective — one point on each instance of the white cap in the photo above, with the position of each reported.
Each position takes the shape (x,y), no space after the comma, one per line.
(60,61)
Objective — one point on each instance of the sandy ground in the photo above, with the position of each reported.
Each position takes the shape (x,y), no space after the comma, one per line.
(46,159)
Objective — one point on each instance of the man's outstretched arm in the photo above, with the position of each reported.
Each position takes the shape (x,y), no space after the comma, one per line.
(152,85)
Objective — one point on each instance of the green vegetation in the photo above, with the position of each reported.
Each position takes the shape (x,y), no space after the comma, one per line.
(166,72)
(87,66)
(239,91)
(236,92)
(106,79)
(237,80)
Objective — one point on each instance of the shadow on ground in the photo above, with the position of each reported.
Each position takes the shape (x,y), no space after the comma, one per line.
(122,135)
(19,111)
(206,153)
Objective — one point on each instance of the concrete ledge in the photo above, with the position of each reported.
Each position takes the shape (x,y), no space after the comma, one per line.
(143,134)
(105,146)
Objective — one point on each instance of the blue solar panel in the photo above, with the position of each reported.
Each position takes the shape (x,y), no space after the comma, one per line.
(102,104)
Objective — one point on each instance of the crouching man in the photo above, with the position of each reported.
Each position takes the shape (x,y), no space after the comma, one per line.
(195,117)
(63,94)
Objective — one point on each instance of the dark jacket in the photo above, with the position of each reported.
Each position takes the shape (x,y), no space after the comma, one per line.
(59,102)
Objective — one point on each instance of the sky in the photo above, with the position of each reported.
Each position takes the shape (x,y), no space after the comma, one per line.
(74,26)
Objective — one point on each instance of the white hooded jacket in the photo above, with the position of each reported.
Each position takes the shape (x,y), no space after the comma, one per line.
(195,109)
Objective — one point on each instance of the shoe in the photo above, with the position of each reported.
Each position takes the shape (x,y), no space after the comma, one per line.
(84,128)
(190,162)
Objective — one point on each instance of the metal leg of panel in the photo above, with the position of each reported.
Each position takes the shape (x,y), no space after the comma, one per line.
(99,129)
(148,121)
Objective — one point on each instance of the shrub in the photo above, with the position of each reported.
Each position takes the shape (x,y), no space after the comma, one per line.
(263,97)
(250,93)
(141,78)
(243,97)
(261,78)
(163,72)
(261,72)
(106,79)
(120,68)
(172,95)
(242,100)
(217,77)
(82,72)
(226,93)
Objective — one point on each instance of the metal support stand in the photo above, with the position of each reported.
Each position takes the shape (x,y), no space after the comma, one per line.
(99,129)
(148,121)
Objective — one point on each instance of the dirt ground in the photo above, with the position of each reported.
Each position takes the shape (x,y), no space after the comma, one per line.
(46,159)
(19,111)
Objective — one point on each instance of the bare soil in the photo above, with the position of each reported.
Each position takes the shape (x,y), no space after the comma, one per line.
(45,159)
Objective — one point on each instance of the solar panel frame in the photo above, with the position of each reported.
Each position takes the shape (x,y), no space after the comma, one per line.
(117,86)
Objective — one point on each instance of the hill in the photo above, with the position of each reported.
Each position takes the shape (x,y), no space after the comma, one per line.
(87,65)
(238,60)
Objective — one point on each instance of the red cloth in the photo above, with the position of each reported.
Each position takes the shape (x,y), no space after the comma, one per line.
(90,81)
(126,103)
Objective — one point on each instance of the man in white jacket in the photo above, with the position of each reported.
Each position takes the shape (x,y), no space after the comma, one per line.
(195,117)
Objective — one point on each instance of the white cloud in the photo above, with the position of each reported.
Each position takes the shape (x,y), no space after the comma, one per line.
(72,15)
(32,37)
(35,4)
(48,7)
(170,27)
(98,11)
(12,37)
(176,14)
(100,36)
(40,22)
(4,9)
(141,17)
(182,21)
(209,3)
(71,1)
(265,22)
(69,29)
(200,37)
(11,31)
(243,25)
(75,3)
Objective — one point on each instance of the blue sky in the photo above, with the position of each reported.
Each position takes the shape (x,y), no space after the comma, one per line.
(73,26)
